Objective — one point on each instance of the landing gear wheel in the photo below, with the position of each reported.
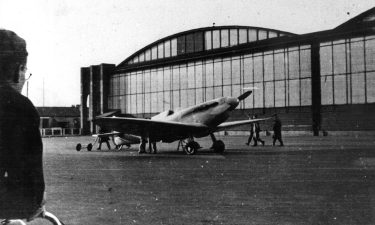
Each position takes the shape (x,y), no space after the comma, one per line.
(218,146)
(191,148)
(89,147)
(78,147)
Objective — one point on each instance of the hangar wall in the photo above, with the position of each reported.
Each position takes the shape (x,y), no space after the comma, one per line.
(319,81)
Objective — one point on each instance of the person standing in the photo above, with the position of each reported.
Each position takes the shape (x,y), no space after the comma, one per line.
(277,131)
(21,149)
(251,132)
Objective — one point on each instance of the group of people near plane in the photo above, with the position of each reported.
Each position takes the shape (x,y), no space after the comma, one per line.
(255,132)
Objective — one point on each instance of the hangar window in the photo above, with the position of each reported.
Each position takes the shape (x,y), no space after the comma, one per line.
(148,55)
(208,38)
(160,51)
(253,36)
(224,38)
(167,48)
(262,34)
(233,37)
(198,41)
(215,39)
(174,46)
(189,43)
(242,36)
(181,45)
(154,53)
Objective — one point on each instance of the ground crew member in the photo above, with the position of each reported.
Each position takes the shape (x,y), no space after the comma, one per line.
(277,131)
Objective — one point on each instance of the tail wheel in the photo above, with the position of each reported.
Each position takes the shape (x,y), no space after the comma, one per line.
(191,148)
(218,146)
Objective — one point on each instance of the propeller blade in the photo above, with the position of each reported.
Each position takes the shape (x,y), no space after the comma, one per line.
(244,95)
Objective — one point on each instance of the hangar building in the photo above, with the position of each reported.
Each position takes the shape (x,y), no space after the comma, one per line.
(321,81)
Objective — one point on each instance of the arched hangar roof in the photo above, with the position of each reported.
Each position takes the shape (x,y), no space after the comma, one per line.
(201,40)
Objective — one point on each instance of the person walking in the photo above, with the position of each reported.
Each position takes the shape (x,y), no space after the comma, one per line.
(257,133)
(277,131)
(251,132)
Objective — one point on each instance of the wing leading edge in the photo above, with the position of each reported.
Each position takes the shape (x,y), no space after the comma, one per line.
(226,125)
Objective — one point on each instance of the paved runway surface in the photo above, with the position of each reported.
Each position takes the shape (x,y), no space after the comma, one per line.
(312,180)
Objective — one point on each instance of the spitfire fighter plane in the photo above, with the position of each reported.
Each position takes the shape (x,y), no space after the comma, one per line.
(184,125)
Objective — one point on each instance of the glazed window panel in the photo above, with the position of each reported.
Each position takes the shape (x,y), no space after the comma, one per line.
(269,94)
(327,92)
(176,99)
(227,71)
(174,47)
(189,43)
(181,44)
(183,77)
(191,97)
(262,34)
(133,82)
(218,92)
(147,103)
(272,34)
(227,91)
(258,96)
(135,59)
(154,53)
(122,85)
(218,73)
(167,79)
(370,82)
(306,92)
(268,67)
(198,75)
(326,60)
(128,103)
(249,101)
(279,66)
(236,71)
(357,57)
(184,98)
(340,89)
(370,55)
(294,93)
(191,75)
(167,49)
(242,36)
(142,57)
(215,39)
(198,95)
(209,69)
(122,104)
(133,108)
(148,55)
(224,38)
(154,81)
(147,81)
(280,93)
(258,68)
(248,70)
(175,78)
(237,91)
(208,39)
(233,37)
(198,41)
(160,51)
(139,82)
(293,64)
(305,63)
(339,59)
(127,84)
(253,36)
(358,88)
(167,100)
(209,93)
(160,102)
(140,103)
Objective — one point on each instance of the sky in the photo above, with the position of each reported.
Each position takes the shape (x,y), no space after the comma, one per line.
(64,35)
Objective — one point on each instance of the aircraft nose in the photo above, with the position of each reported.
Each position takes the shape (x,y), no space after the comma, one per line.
(233,102)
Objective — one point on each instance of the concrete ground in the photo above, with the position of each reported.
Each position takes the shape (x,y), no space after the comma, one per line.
(311,180)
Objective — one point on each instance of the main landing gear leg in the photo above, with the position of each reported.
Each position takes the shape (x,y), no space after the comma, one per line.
(218,145)
(142,146)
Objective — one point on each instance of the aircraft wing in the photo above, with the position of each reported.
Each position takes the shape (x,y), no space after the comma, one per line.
(226,125)
(166,131)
